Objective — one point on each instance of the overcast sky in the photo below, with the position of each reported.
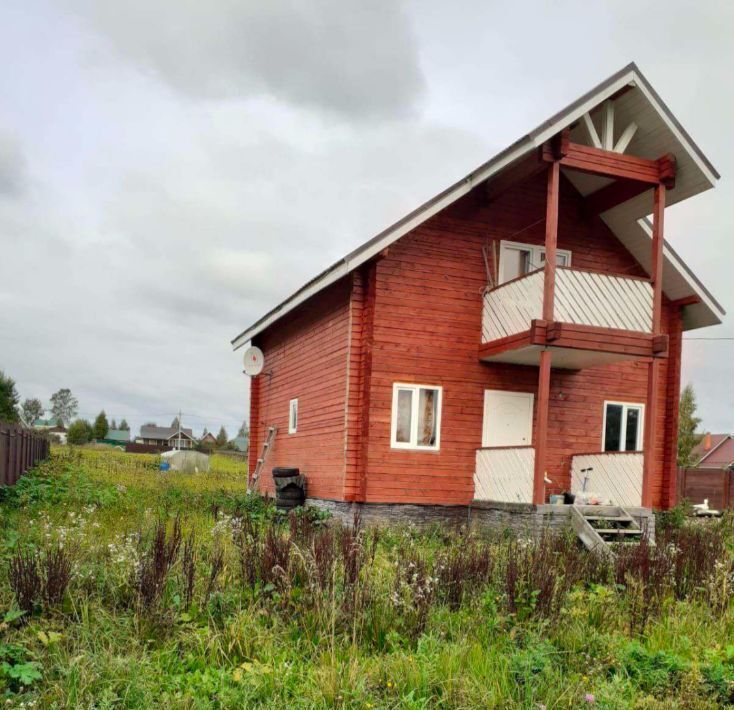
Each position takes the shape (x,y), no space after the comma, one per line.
(170,170)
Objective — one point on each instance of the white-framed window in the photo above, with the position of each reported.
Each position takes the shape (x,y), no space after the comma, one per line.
(293,416)
(416,417)
(623,426)
(518,259)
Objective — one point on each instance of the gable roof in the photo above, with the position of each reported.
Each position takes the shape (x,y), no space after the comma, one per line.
(122,435)
(162,432)
(40,423)
(719,454)
(628,221)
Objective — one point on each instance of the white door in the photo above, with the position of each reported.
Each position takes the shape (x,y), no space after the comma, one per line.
(508,418)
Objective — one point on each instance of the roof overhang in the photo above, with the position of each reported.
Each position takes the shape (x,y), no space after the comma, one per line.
(628,220)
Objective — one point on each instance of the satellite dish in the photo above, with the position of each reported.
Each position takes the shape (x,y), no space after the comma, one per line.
(254,361)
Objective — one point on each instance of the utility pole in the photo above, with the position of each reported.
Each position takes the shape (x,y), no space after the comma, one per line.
(179,430)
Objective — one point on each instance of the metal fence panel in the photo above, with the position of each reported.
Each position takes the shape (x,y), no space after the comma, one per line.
(20,450)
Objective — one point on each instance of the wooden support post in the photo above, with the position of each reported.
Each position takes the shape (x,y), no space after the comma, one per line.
(544,369)
(651,409)
(541,438)
(656,271)
(551,239)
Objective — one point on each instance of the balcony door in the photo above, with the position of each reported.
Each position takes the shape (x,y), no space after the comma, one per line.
(518,259)
(508,418)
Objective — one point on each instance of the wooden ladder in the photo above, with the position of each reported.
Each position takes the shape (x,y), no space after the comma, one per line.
(267,446)
(604,528)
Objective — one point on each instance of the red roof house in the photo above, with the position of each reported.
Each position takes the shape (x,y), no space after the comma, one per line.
(516,336)
(715,451)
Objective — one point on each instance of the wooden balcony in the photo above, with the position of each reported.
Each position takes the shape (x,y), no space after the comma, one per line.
(597,318)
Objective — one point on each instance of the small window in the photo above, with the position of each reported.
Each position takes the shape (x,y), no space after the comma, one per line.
(293,416)
(622,426)
(416,417)
(518,259)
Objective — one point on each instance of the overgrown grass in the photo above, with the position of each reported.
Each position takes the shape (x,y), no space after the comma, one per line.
(123,586)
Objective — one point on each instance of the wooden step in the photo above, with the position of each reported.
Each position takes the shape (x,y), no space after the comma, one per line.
(618,518)
(605,539)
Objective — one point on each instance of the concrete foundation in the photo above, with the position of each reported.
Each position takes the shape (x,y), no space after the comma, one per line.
(518,518)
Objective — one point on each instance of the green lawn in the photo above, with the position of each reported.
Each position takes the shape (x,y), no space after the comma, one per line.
(183,591)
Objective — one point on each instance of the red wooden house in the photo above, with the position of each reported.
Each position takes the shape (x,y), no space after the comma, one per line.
(518,335)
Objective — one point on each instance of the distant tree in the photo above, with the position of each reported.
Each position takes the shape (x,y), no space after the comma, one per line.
(64,406)
(124,426)
(688,423)
(148,424)
(244,430)
(222,437)
(31,410)
(204,433)
(174,423)
(79,432)
(8,399)
(101,426)
(113,424)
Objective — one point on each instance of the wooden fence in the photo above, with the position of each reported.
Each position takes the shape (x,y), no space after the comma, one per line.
(698,484)
(20,450)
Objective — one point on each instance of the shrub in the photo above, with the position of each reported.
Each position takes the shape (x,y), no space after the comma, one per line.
(56,571)
(157,563)
(463,570)
(25,580)
(17,668)
(718,675)
(80,432)
(675,518)
(694,551)
(538,574)
(533,660)
(414,591)
(652,670)
(37,577)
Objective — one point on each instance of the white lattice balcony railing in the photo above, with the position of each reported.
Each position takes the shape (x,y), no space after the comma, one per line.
(614,475)
(504,474)
(581,298)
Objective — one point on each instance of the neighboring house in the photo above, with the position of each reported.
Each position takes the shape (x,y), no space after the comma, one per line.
(447,361)
(58,431)
(240,443)
(716,451)
(208,439)
(116,437)
(167,437)
(47,423)
(710,479)
(52,426)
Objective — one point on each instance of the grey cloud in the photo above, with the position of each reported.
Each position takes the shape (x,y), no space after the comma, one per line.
(357,59)
(245,223)
(12,166)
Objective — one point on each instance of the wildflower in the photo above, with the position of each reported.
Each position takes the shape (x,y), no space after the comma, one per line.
(590,698)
